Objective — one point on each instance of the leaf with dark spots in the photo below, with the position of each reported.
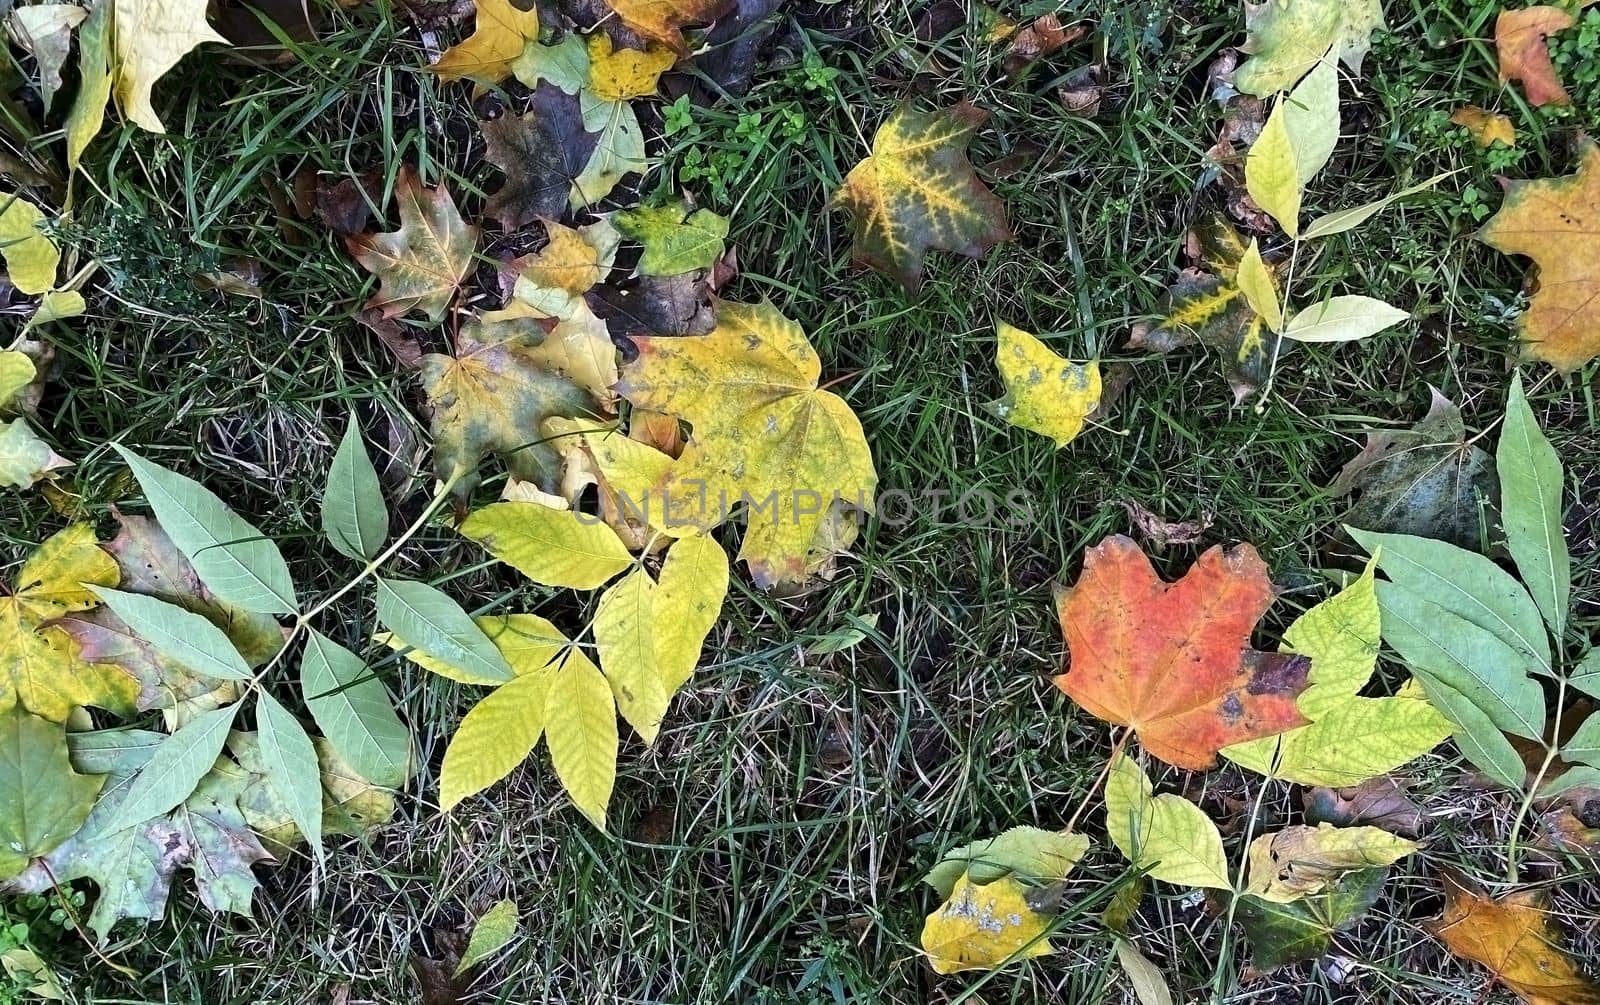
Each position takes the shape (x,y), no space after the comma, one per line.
(540,153)
(1173,660)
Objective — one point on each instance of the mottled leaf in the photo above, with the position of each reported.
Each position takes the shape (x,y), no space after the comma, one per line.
(1520,41)
(43,801)
(981,927)
(1044,392)
(1029,853)
(675,239)
(541,153)
(421,265)
(1303,930)
(492,932)
(1515,937)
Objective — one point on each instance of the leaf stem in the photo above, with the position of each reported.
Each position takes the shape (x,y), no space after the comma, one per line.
(1550,750)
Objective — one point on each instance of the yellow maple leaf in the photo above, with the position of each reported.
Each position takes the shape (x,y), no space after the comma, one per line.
(498,37)
(1486,128)
(40,667)
(918,192)
(765,437)
(620,74)
(980,927)
(148,37)
(1514,937)
(1044,392)
(1555,222)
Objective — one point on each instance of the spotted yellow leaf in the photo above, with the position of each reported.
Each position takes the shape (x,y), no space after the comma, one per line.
(1299,861)
(918,192)
(620,74)
(1256,283)
(1044,392)
(981,927)
(31,257)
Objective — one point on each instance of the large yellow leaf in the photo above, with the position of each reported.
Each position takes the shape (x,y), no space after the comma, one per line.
(40,668)
(688,598)
(625,637)
(549,546)
(918,191)
(148,37)
(1350,738)
(1166,834)
(1516,939)
(580,728)
(764,435)
(1297,862)
(980,927)
(498,37)
(31,257)
(620,74)
(1556,222)
(1044,392)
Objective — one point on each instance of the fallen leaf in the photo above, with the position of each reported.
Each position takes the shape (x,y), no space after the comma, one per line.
(42,800)
(1166,836)
(1487,128)
(40,668)
(1426,481)
(621,74)
(564,65)
(401,343)
(1037,40)
(656,305)
(1554,222)
(1303,930)
(30,256)
(1294,863)
(618,151)
(1289,37)
(729,55)
(979,927)
(1380,802)
(492,932)
(351,805)
(24,457)
(664,20)
(541,154)
(1164,533)
(1173,661)
(45,31)
(764,435)
(1519,39)
(148,37)
(918,192)
(490,398)
(1029,853)
(676,238)
(421,265)
(1044,392)
(1516,939)
(498,37)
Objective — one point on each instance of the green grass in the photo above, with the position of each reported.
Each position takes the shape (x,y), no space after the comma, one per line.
(769,847)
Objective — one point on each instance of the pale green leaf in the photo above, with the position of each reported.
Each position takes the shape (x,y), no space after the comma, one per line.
(174,770)
(1586,675)
(232,558)
(1149,987)
(1343,318)
(494,930)
(1530,506)
(353,709)
(549,546)
(1271,173)
(1311,115)
(354,517)
(1478,737)
(1584,744)
(1167,835)
(24,458)
(618,152)
(565,64)
(291,767)
(1348,219)
(428,620)
(179,634)
(1031,853)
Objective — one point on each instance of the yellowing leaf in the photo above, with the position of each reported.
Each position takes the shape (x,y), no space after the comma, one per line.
(618,150)
(1555,221)
(1272,174)
(1029,853)
(1350,738)
(40,668)
(1487,128)
(421,264)
(1516,939)
(45,31)
(1044,392)
(764,435)
(490,934)
(1166,834)
(620,74)
(42,799)
(31,257)
(24,458)
(1287,38)
(1256,283)
(627,475)
(554,279)
(980,927)
(1297,862)
(663,20)
(88,110)
(625,637)
(918,191)
(502,729)
(148,37)
(549,546)
(498,37)
(688,599)
(676,240)
(580,725)
(17,371)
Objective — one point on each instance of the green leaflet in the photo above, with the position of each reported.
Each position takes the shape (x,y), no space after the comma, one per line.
(173,771)
(426,619)
(1480,740)
(1303,929)
(1166,834)
(354,517)
(291,767)
(1584,745)
(1442,646)
(1586,675)
(1031,853)
(180,635)
(1465,583)
(232,558)
(493,931)
(675,239)
(353,709)
(43,801)
(1530,507)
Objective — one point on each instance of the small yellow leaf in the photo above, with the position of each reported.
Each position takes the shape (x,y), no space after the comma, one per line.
(58,305)
(688,599)
(148,37)
(553,547)
(620,74)
(1167,834)
(88,111)
(498,37)
(1272,173)
(625,637)
(1299,861)
(31,257)
(1256,282)
(1486,128)
(980,927)
(16,372)
(580,728)
(1044,392)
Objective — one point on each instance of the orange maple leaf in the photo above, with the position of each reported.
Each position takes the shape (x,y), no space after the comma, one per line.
(1173,660)
(1556,222)
(1519,37)
(1514,937)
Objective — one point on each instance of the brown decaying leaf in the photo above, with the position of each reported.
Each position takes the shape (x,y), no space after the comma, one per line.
(540,153)
(1164,533)
(1172,660)
(1516,939)
(421,265)
(1037,40)
(399,340)
(1380,802)
(656,305)
(1519,37)
(664,20)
